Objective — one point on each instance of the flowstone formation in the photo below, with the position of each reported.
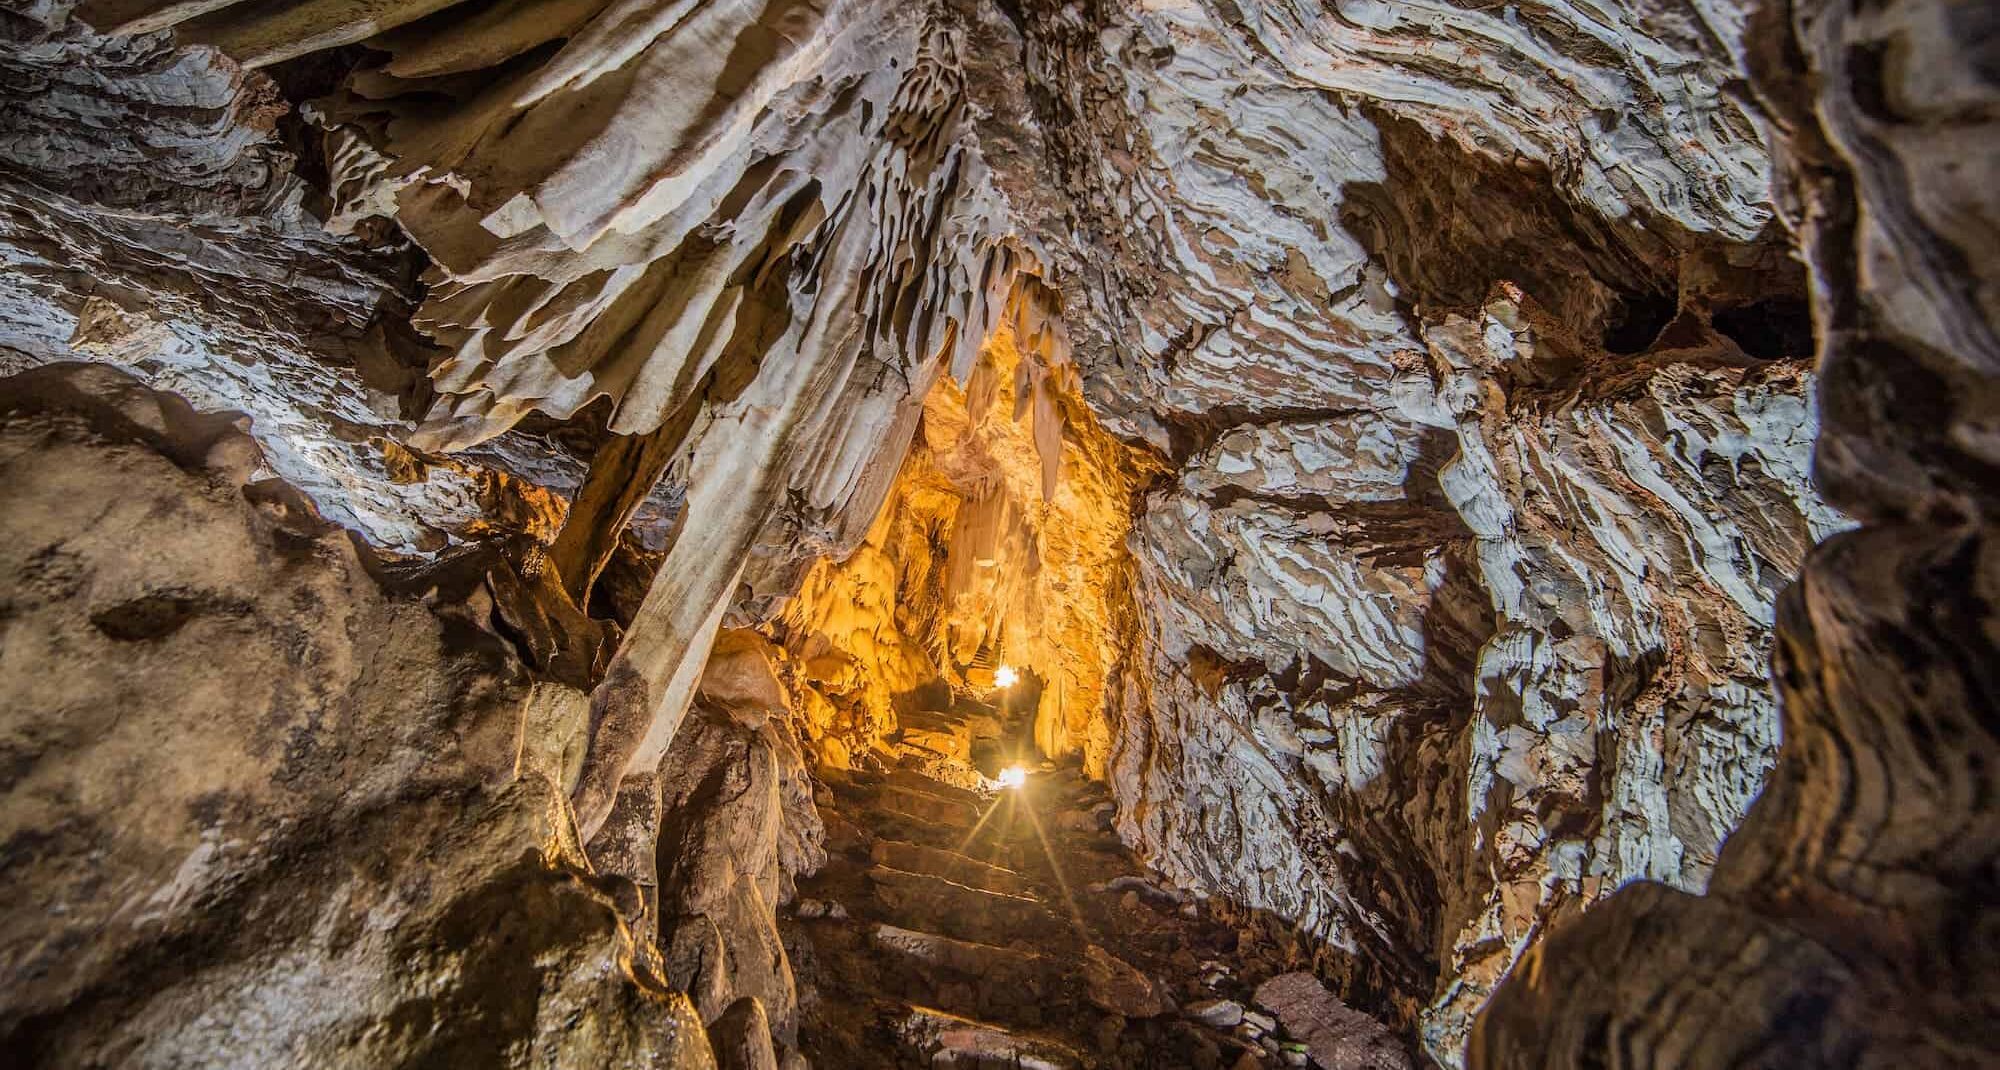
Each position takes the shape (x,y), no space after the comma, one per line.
(1376,441)
(1848,920)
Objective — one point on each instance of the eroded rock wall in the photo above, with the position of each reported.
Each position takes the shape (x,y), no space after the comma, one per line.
(1455,348)
(259,810)
(151,217)
(1485,375)
(1846,921)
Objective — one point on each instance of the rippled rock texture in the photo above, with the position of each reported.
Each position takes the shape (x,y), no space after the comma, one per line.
(1849,919)
(152,218)
(1384,431)
(1491,452)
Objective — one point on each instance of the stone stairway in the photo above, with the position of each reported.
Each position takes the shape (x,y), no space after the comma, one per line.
(1010,929)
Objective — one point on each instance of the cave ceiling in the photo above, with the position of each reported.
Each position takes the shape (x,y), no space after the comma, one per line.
(1389,435)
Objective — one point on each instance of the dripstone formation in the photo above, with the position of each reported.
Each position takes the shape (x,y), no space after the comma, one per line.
(544,532)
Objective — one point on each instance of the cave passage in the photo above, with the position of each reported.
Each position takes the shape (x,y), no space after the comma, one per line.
(999,534)
(977,906)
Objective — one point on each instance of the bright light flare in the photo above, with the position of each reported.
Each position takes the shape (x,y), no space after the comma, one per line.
(1005,676)
(1013,776)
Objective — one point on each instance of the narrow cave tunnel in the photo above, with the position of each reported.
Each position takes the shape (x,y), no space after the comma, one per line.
(562,533)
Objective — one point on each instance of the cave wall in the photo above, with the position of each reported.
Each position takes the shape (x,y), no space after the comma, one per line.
(262,806)
(1448,365)
(1485,378)
(158,215)
(1849,918)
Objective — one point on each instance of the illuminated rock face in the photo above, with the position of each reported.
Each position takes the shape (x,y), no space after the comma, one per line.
(1490,425)
(1383,430)
(973,566)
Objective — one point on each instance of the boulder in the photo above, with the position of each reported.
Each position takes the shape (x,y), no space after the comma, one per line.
(1216,1013)
(742,1037)
(742,674)
(1118,987)
(1336,1036)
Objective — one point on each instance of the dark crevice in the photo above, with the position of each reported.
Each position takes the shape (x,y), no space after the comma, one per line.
(1638,321)
(1773,329)
(150,616)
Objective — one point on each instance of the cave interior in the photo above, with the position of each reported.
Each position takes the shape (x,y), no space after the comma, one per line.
(1209,536)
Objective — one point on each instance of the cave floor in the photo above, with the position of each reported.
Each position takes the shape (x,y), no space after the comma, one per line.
(953,927)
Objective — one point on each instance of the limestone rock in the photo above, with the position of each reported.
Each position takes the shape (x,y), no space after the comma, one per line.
(1875,821)
(1116,986)
(152,219)
(947,1040)
(333,844)
(1380,434)
(1336,1036)
(742,1037)
(736,831)
(1391,311)
(1218,1013)
(742,675)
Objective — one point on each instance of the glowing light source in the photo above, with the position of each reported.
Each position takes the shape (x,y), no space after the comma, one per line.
(1013,776)
(1005,676)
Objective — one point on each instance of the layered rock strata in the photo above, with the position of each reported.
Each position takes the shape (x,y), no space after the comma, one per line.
(151,218)
(1491,455)
(1460,382)
(1845,921)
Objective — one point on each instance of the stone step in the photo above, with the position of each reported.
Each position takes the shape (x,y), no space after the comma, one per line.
(944,743)
(1019,988)
(939,905)
(958,775)
(927,806)
(937,720)
(916,781)
(886,821)
(970,723)
(939,1038)
(951,865)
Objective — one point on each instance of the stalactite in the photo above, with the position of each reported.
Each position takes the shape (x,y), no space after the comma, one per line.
(1380,441)
(622,474)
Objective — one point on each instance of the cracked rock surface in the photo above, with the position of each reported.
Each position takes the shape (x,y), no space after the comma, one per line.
(1385,448)
(343,843)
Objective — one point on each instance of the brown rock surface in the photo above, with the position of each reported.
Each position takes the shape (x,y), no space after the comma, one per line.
(742,675)
(1114,985)
(1335,1035)
(1381,437)
(1070,969)
(742,1037)
(258,809)
(737,829)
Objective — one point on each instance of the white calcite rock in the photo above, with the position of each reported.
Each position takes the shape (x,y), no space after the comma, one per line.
(1459,367)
